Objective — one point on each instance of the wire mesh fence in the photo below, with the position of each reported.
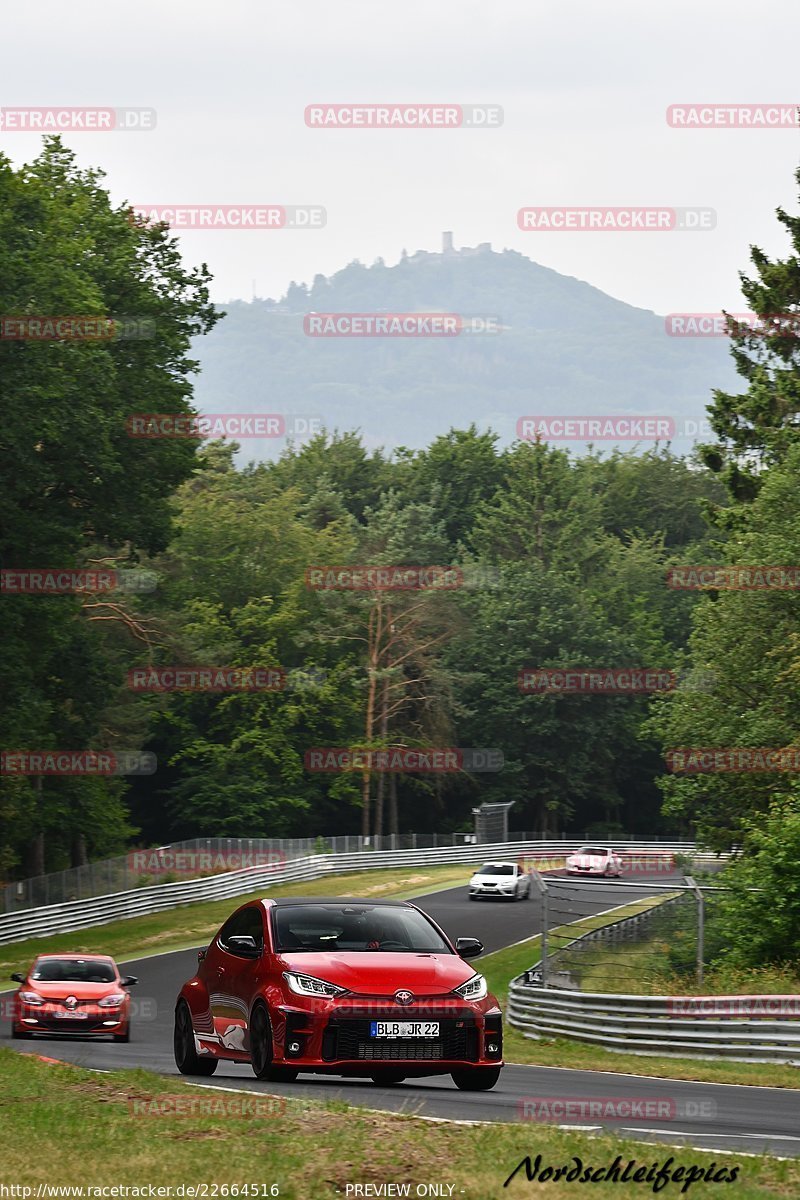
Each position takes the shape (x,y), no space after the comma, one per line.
(197,857)
(661,939)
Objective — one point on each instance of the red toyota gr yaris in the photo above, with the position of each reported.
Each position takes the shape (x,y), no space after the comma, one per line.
(341,987)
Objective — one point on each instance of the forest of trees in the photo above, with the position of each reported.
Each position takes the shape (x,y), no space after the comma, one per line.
(564,563)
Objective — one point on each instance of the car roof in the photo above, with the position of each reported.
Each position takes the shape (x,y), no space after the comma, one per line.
(290,901)
(78,957)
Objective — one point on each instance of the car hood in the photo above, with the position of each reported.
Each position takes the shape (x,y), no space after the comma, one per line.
(81,991)
(382,972)
(588,860)
(494,878)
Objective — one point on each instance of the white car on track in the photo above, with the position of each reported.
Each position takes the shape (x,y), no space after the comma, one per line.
(594,860)
(504,879)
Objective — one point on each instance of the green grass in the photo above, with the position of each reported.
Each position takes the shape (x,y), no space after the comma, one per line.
(643,969)
(65,1126)
(193,924)
(502,966)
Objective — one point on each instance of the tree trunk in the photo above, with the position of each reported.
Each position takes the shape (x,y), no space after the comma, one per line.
(36,844)
(393,804)
(36,855)
(384,726)
(79,857)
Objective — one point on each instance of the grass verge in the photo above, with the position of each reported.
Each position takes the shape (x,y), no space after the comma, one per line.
(64,1126)
(502,966)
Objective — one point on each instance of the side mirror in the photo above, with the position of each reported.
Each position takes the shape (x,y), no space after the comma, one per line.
(201,955)
(244,945)
(18,977)
(469,947)
(129,980)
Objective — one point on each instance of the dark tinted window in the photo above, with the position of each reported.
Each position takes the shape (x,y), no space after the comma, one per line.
(595,851)
(350,927)
(496,869)
(74,970)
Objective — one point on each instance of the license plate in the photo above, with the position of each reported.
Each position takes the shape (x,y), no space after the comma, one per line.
(404,1029)
(71,1016)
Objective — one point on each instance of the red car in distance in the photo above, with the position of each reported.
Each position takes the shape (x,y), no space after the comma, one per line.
(339,987)
(73,993)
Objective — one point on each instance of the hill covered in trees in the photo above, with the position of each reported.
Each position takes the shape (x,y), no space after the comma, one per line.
(562,347)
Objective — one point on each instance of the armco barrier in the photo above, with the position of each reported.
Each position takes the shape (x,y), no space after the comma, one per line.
(649,1025)
(99,910)
(674,1026)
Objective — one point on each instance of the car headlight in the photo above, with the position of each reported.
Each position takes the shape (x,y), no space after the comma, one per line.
(112,1001)
(473,989)
(309,985)
(31,998)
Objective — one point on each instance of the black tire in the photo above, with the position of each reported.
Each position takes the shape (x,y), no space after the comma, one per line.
(388,1078)
(476,1079)
(20,1033)
(187,1060)
(123,1037)
(261,1050)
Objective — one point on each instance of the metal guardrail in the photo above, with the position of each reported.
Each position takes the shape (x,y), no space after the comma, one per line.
(212,855)
(674,1026)
(100,910)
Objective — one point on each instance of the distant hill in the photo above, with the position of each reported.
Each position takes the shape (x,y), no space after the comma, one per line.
(564,348)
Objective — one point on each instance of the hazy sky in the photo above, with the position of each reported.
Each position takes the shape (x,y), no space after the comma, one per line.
(584,87)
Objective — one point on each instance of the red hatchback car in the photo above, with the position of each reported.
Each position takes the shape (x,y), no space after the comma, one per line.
(341,987)
(73,993)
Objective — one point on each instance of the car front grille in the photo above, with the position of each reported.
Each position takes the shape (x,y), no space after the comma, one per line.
(348,1039)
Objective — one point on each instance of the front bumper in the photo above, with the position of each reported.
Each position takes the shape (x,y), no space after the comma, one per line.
(334,1037)
(476,890)
(49,1018)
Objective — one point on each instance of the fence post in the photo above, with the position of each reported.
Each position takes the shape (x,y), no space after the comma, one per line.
(701,927)
(542,889)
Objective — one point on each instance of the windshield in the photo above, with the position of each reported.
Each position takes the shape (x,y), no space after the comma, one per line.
(496,869)
(349,927)
(73,970)
(593,850)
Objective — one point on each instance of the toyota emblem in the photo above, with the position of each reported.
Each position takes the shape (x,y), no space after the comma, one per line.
(403,996)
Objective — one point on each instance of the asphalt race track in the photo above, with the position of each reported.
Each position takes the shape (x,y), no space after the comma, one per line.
(709,1116)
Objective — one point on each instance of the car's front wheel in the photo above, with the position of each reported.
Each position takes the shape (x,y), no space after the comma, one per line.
(125,1036)
(261,1050)
(187,1060)
(476,1079)
(20,1033)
